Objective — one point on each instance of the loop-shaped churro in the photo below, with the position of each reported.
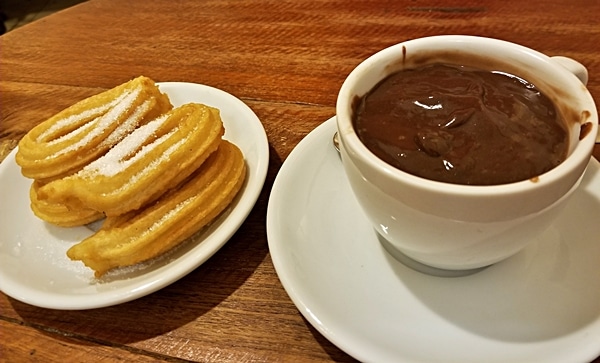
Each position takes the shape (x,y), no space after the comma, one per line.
(147,233)
(74,137)
(139,169)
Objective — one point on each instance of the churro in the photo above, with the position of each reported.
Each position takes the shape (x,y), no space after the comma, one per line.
(147,233)
(74,137)
(150,160)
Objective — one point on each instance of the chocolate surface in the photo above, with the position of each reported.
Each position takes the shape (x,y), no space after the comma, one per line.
(462,125)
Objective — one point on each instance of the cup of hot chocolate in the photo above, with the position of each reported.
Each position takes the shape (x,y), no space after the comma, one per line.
(461,150)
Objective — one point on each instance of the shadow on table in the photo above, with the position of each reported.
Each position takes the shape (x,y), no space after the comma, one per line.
(165,310)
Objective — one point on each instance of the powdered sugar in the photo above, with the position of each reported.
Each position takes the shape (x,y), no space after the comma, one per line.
(127,126)
(154,164)
(116,160)
(73,119)
(170,214)
(61,124)
(100,124)
(71,135)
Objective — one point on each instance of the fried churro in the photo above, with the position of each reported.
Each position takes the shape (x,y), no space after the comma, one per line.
(145,234)
(74,137)
(144,164)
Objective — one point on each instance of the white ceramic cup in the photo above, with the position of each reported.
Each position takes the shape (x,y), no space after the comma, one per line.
(462,227)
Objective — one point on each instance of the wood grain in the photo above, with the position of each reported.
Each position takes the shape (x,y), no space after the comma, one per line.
(38,344)
(287,61)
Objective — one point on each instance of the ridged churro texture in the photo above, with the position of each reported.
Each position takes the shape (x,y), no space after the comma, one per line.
(60,214)
(144,164)
(145,234)
(157,173)
(74,137)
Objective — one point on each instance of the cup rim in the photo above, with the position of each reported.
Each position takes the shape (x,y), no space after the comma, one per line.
(350,142)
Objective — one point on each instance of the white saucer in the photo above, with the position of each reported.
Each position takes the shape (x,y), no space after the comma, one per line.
(34,267)
(541,305)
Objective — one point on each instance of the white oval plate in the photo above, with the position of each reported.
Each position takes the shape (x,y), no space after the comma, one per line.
(34,267)
(541,305)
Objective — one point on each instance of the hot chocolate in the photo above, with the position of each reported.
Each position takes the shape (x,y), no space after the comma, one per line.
(462,125)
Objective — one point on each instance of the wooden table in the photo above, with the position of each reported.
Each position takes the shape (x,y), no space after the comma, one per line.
(286,60)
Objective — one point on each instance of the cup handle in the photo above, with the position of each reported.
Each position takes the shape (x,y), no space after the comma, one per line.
(573,66)
(578,70)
